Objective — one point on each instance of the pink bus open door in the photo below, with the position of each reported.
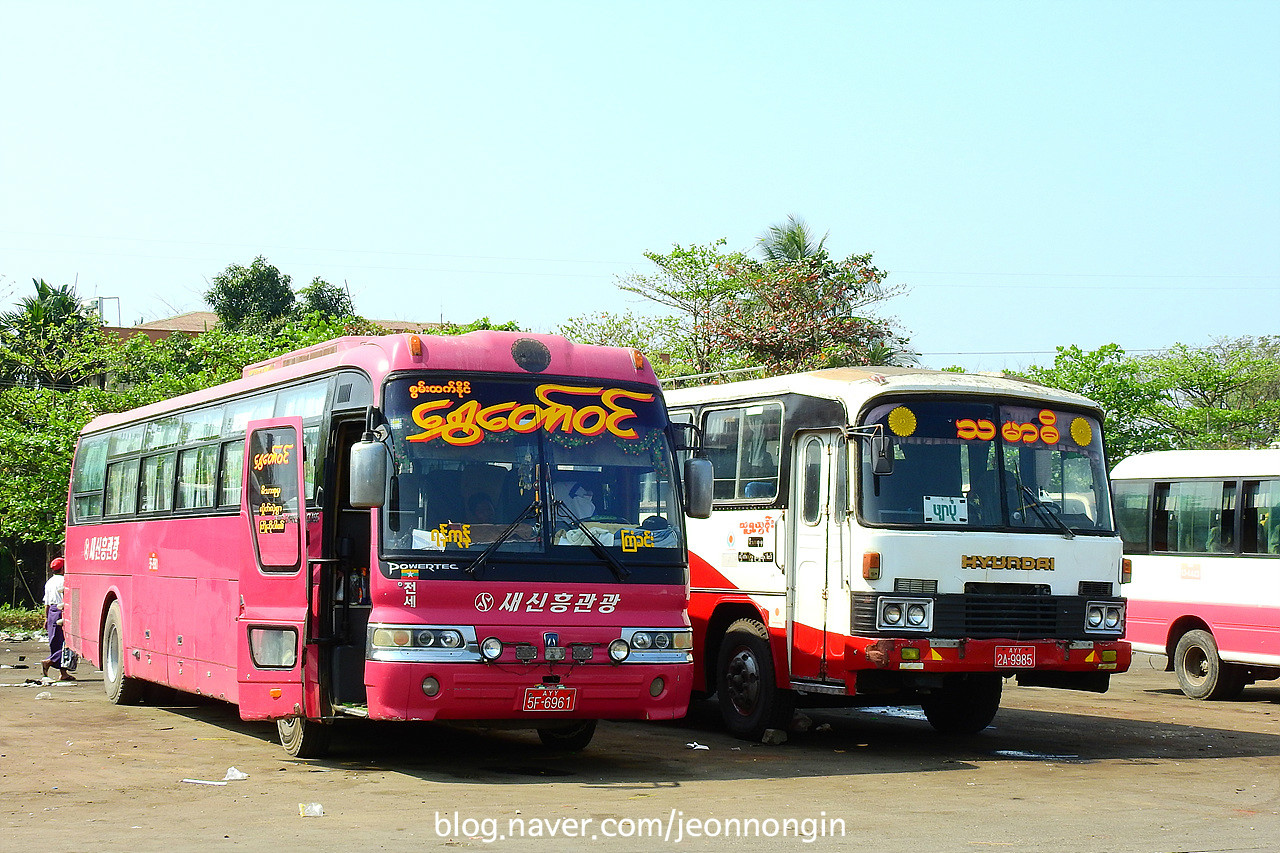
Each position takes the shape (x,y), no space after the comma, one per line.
(271,627)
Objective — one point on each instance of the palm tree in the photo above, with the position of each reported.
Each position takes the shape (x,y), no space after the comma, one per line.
(888,352)
(47,340)
(51,306)
(792,241)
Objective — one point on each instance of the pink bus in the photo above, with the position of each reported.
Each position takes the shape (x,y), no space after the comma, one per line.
(486,527)
(1202,528)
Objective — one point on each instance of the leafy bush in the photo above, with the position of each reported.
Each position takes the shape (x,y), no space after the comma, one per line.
(20,619)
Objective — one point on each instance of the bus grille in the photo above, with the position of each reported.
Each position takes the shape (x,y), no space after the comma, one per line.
(987,617)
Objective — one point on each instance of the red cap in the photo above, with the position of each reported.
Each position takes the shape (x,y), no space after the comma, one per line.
(56,564)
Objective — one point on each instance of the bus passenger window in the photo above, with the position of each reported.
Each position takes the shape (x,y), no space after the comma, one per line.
(197,467)
(1133,501)
(1260,521)
(157,483)
(122,487)
(811,506)
(232,473)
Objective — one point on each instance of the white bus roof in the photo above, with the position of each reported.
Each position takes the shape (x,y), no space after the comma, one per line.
(1177,464)
(855,385)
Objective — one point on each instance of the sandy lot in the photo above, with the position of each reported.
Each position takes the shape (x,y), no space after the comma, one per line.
(1141,768)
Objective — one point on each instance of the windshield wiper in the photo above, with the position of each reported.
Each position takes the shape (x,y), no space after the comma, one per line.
(1046,512)
(620,571)
(533,510)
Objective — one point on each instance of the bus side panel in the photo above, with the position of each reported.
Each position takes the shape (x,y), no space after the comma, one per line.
(89,587)
(175,583)
(1225,593)
(716,602)
(1244,633)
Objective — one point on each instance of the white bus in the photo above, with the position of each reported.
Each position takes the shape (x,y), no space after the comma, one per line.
(1203,531)
(900,536)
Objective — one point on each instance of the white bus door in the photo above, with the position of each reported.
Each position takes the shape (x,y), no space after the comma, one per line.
(813,550)
(271,628)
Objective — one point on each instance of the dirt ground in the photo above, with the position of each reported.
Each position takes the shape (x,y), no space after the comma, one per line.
(1141,768)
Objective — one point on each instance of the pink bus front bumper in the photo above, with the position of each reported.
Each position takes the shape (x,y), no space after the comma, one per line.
(477,691)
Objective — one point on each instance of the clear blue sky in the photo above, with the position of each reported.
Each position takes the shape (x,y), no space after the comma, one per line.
(1036,174)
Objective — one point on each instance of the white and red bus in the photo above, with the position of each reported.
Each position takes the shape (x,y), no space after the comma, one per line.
(1202,528)
(485,527)
(900,536)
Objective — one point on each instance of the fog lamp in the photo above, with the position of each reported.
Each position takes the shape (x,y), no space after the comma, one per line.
(491,648)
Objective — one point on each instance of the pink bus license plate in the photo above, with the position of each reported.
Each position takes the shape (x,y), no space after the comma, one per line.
(1018,657)
(542,699)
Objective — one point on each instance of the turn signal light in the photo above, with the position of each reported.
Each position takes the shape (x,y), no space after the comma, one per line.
(871,566)
(1126,570)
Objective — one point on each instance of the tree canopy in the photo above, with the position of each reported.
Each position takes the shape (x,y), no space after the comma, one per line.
(252,295)
(44,341)
(1221,396)
(795,309)
(61,369)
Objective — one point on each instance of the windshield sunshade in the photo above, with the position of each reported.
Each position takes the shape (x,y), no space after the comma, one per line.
(988,465)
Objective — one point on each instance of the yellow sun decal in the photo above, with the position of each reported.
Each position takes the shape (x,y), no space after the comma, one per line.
(1082,432)
(902,421)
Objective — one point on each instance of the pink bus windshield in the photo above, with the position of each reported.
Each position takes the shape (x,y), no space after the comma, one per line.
(529,481)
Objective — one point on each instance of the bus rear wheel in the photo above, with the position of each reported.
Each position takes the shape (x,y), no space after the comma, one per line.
(965,706)
(303,738)
(746,685)
(120,688)
(1202,674)
(573,738)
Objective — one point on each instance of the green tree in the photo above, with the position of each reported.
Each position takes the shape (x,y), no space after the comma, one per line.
(50,339)
(1131,401)
(809,312)
(483,324)
(38,429)
(797,309)
(663,339)
(792,241)
(256,295)
(327,300)
(695,284)
(1225,395)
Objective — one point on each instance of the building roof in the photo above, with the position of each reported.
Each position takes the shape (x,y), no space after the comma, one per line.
(197,322)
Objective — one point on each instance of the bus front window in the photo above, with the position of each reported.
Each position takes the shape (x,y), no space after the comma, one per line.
(983,464)
(518,468)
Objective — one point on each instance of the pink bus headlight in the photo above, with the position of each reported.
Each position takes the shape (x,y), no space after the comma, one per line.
(654,645)
(422,643)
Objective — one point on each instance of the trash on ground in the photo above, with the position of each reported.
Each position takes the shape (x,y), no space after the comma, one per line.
(234,775)
(773,737)
(695,745)
(310,809)
(202,782)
